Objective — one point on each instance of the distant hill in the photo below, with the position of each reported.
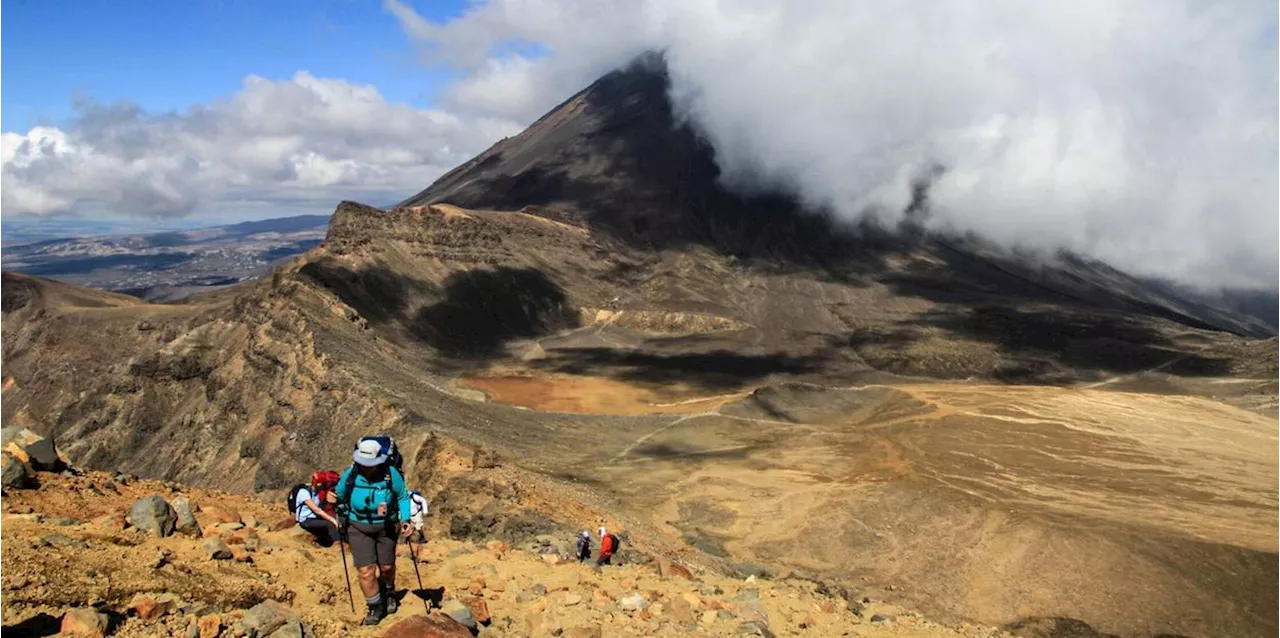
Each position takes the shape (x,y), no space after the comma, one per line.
(170,265)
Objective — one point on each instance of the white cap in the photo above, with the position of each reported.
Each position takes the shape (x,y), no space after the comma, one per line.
(369,454)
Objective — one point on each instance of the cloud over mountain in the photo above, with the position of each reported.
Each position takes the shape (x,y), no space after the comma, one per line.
(1142,133)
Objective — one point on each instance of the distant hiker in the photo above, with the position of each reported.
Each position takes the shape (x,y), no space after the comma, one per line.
(312,512)
(417,518)
(378,511)
(608,545)
(584,546)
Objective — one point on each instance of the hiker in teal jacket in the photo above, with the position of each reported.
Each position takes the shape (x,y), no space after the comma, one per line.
(378,514)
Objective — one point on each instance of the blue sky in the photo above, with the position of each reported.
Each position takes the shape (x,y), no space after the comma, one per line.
(170,55)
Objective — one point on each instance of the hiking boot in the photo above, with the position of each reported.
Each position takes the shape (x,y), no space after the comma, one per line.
(376,614)
(389,598)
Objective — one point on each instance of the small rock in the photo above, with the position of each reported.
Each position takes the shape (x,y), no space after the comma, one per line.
(149,609)
(634,602)
(252,544)
(538,589)
(709,617)
(881,619)
(84,621)
(187,523)
(111,486)
(121,478)
(216,549)
(210,626)
(159,560)
(231,527)
(61,542)
(117,521)
(266,617)
(710,590)
(193,629)
(219,514)
(250,521)
(459,612)
(292,628)
(807,622)
(479,610)
(674,570)
(754,628)
(436,625)
(284,524)
(582,631)
(572,599)
(65,522)
(499,549)
(724,614)
(154,515)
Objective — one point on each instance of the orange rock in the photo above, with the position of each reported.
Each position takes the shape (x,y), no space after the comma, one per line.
(499,549)
(148,608)
(84,621)
(825,606)
(241,556)
(210,626)
(694,600)
(601,598)
(117,521)
(220,515)
(807,622)
(479,609)
(283,524)
(437,625)
(674,570)
(211,532)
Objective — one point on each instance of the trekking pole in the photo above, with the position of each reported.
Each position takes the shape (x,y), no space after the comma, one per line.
(342,549)
(422,592)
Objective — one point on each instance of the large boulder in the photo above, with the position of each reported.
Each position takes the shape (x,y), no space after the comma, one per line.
(154,514)
(31,448)
(437,625)
(13,472)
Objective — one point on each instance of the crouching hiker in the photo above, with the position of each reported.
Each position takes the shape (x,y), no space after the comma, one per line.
(378,512)
(308,503)
(584,546)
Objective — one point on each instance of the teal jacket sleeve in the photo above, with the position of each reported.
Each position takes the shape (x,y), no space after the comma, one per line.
(343,489)
(401,494)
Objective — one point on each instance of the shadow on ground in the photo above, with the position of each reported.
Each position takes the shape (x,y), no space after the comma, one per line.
(720,369)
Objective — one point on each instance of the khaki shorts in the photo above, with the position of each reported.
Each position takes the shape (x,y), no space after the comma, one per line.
(371,544)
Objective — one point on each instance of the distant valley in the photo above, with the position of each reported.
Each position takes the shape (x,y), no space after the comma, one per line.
(167,266)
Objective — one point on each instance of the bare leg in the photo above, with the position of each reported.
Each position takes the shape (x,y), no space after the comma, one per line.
(368,580)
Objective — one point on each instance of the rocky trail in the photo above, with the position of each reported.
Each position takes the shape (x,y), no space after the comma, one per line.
(92,553)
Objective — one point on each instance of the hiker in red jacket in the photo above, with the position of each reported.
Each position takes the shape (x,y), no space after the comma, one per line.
(608,545)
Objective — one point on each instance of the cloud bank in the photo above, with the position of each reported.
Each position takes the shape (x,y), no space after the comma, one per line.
(1142,133)
(301,142)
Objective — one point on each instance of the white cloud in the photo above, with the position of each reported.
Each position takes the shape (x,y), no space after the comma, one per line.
(301,142)
(1140,132)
